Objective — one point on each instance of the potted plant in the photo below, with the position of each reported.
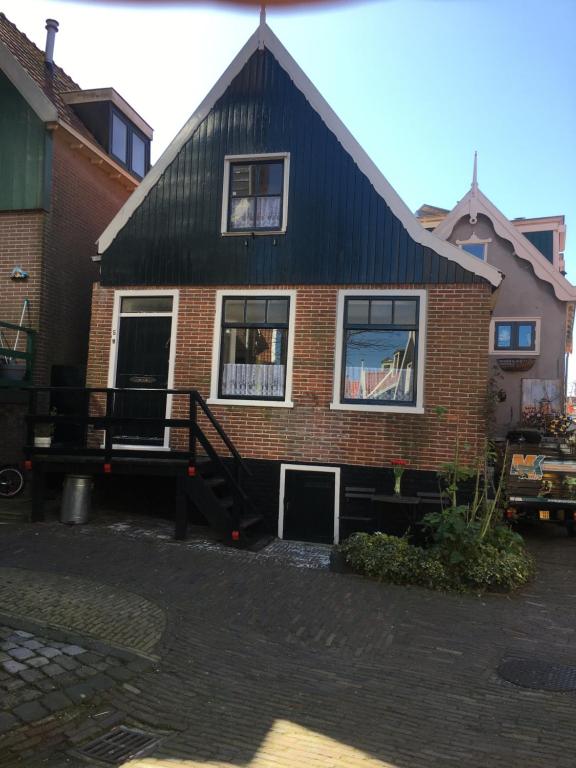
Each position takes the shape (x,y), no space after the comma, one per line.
(43,432)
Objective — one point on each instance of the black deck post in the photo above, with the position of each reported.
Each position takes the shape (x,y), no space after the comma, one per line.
(38,488)
(181,515)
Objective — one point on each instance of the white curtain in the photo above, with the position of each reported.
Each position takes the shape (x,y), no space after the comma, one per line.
(253,380)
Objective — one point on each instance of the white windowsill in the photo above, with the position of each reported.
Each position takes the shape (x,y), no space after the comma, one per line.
(259,403)
(376,408)
(256,233)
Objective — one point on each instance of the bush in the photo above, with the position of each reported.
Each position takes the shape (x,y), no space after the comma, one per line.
(497,562)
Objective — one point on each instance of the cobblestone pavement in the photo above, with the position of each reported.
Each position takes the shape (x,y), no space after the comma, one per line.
(266,664)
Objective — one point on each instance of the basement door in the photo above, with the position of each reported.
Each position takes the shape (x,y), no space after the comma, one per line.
(144,341)
(309,503)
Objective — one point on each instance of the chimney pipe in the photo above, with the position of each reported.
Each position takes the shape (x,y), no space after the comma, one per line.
(51,29)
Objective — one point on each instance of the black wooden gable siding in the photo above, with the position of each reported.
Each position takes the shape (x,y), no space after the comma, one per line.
(339,229)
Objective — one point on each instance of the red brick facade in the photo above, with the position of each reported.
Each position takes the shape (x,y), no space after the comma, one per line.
(456,378)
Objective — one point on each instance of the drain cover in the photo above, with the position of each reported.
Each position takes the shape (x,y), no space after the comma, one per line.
(530,673)
(119,745)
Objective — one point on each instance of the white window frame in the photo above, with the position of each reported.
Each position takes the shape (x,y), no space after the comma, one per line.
(309,468)
(228,160)
(418,407)
(114,346)
(475,240)
(216,348)
(515,352)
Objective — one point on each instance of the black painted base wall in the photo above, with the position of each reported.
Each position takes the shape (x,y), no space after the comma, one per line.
(357,485)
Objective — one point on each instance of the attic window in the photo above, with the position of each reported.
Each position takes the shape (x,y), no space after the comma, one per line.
(475,246)
(255,195)
(128,147)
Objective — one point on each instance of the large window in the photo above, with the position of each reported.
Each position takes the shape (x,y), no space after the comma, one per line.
(380,351)
(255,194)
(254,347)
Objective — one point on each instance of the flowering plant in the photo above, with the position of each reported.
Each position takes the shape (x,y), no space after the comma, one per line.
(560,426)
(398,467)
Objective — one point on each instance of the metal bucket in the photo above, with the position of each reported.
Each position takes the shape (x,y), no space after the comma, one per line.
(76,499)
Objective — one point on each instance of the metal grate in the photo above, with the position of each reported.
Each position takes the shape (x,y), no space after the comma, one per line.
(540,675)
(119,745)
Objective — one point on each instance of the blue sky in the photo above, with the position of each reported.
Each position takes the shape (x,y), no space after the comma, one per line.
(420,83)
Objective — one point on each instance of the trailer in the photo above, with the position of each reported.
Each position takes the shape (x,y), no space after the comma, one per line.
(541,484)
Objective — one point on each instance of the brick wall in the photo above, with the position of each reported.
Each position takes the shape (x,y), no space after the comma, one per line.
(456,378)
(84,200)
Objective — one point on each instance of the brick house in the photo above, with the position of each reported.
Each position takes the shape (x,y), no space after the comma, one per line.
(267,263)
(65,172)
(532,322)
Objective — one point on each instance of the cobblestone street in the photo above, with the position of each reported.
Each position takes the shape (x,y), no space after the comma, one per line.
(268,659)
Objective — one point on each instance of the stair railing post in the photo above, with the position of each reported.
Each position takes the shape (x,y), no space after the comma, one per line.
(32,409)
(193,412)
(108,427)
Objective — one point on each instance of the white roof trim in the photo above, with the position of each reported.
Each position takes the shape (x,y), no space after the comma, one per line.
(26,86)
(264,35)
(475,201)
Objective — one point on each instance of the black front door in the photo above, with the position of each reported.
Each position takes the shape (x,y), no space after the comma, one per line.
(143,363)
(309,500)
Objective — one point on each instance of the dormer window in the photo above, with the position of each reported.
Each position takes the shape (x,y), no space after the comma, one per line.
(255,195)
(127,146)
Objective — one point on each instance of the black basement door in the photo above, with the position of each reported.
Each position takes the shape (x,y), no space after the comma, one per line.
(309,506)
(143,362)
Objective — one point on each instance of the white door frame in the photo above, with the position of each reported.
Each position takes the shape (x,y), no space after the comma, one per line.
(115,344)
(309,468)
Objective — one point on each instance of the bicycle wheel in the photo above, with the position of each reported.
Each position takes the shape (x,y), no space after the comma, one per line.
(11,482)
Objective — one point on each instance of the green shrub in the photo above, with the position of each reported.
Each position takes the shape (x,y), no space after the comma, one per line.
(499,562)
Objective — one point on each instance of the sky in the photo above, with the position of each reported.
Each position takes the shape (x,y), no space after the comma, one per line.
(421,84)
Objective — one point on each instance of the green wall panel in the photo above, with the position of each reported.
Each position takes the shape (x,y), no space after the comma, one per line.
(23,148)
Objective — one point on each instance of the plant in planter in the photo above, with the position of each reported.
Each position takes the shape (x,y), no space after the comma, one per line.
(44,432)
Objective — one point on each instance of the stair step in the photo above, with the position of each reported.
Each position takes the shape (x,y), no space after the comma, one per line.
(215,482)
(227,502)
(250,520)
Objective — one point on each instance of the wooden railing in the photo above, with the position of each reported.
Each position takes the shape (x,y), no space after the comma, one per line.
(109,422)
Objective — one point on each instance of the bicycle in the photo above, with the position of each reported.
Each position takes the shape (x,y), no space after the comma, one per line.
(12,481)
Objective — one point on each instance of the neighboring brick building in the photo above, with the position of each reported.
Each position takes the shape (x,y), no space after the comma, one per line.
(63,175)
(266,262)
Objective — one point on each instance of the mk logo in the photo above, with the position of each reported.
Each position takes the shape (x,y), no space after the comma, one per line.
(528,467)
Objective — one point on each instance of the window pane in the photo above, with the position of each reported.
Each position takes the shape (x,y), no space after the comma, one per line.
(476,249)
(119,136)
(277,311)
(381,313)
(405,313)
(358,311)
(503,335)
(268,179)
(268,212)
(525,336)
(234,310)
(380,366)
(256,311)
(240,181)
(254,362)
(147,304)
(138,155)
(242,213)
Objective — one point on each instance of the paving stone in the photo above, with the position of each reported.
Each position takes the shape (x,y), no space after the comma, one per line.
(8,646)
(55,701)
(22,633)
(33,645)
(73,650)
(37,661)
(30,711)
(52,670)
(68,663)
(31,675)
(79,692)
(50,653)
(21,654)
(100,682)
(14,683)
(7,722)
(120,673)
(46,685)
(13,666)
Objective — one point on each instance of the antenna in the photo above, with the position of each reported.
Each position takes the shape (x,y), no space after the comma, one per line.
(475,172)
